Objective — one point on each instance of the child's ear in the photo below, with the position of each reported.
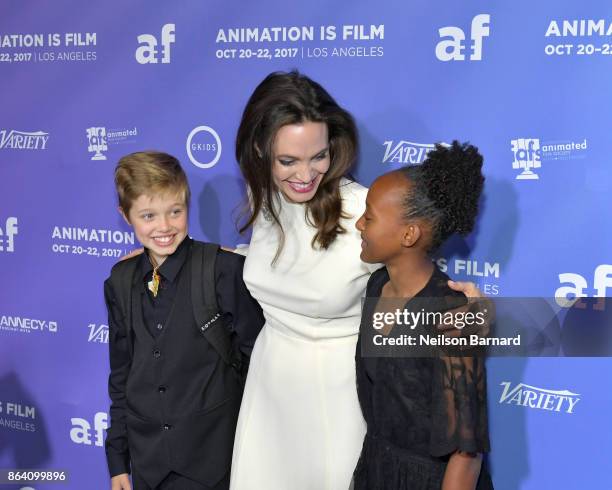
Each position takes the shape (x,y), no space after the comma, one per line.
(122,213)
(411,235)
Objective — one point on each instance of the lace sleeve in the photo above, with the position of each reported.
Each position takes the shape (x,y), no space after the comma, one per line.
(459,406)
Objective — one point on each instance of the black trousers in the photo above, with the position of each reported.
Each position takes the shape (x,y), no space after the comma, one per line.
(174,481)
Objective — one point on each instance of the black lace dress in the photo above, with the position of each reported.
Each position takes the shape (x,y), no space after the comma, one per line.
(418,410)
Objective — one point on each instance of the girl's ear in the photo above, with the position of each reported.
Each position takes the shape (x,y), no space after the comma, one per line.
(122,213)
(411,234)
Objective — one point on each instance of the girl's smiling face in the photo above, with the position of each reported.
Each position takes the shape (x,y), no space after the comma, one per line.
(384,231)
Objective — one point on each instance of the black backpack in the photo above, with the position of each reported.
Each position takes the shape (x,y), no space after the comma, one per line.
(203,298)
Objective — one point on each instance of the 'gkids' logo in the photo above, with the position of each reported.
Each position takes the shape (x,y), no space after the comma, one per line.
(203,147)
(538,398)
(96,137)
(81,432)
(7,237)
(22,140)
(452,49)
(147,51)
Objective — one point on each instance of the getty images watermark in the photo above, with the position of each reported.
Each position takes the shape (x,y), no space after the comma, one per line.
(506,327)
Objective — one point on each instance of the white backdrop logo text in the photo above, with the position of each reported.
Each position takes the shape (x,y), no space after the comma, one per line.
(148,51)
(7,236)
(203,147)
(538,398)
(452,48)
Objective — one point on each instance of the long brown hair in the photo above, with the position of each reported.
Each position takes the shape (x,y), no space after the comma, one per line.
(292,98)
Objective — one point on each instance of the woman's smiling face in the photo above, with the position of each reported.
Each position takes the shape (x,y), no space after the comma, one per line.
(300,159)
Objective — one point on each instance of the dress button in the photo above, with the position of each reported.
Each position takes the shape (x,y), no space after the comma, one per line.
(162,389)
(167,427)
(159,326)
(156,354)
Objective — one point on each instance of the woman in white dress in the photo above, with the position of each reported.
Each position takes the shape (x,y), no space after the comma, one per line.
(300,424)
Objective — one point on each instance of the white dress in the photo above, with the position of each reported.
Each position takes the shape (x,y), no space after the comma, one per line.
(300,425)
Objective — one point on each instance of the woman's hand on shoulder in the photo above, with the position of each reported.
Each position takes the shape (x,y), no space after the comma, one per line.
(477,303)
(138,251)
(133,253)
(468,288)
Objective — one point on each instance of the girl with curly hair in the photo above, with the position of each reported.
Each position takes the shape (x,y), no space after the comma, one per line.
(426,417)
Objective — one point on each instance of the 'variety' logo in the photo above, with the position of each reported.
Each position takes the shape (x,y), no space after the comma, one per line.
(538,398)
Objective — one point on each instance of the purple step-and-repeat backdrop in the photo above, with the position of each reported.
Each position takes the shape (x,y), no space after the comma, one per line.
(84,83)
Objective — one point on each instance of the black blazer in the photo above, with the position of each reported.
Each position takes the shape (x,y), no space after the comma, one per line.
(174,402)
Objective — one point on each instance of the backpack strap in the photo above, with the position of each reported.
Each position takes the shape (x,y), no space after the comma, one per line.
(121,279)
(206,313)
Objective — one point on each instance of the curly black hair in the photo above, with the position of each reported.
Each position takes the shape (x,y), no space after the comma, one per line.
(447,187)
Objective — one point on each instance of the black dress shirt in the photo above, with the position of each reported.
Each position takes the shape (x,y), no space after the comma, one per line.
(156,309)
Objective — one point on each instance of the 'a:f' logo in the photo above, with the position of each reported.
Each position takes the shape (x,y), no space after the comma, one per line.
(452,45)
(10,231)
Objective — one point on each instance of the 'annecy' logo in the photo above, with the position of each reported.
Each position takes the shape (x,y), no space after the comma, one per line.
(22,140)
(539,398)
(26,325)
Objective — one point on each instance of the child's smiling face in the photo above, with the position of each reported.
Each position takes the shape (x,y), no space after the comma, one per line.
(160,223)
(384,231)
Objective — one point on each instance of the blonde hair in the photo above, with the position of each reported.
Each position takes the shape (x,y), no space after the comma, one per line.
(149,173)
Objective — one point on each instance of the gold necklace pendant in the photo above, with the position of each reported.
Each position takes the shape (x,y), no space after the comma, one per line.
(153,284)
